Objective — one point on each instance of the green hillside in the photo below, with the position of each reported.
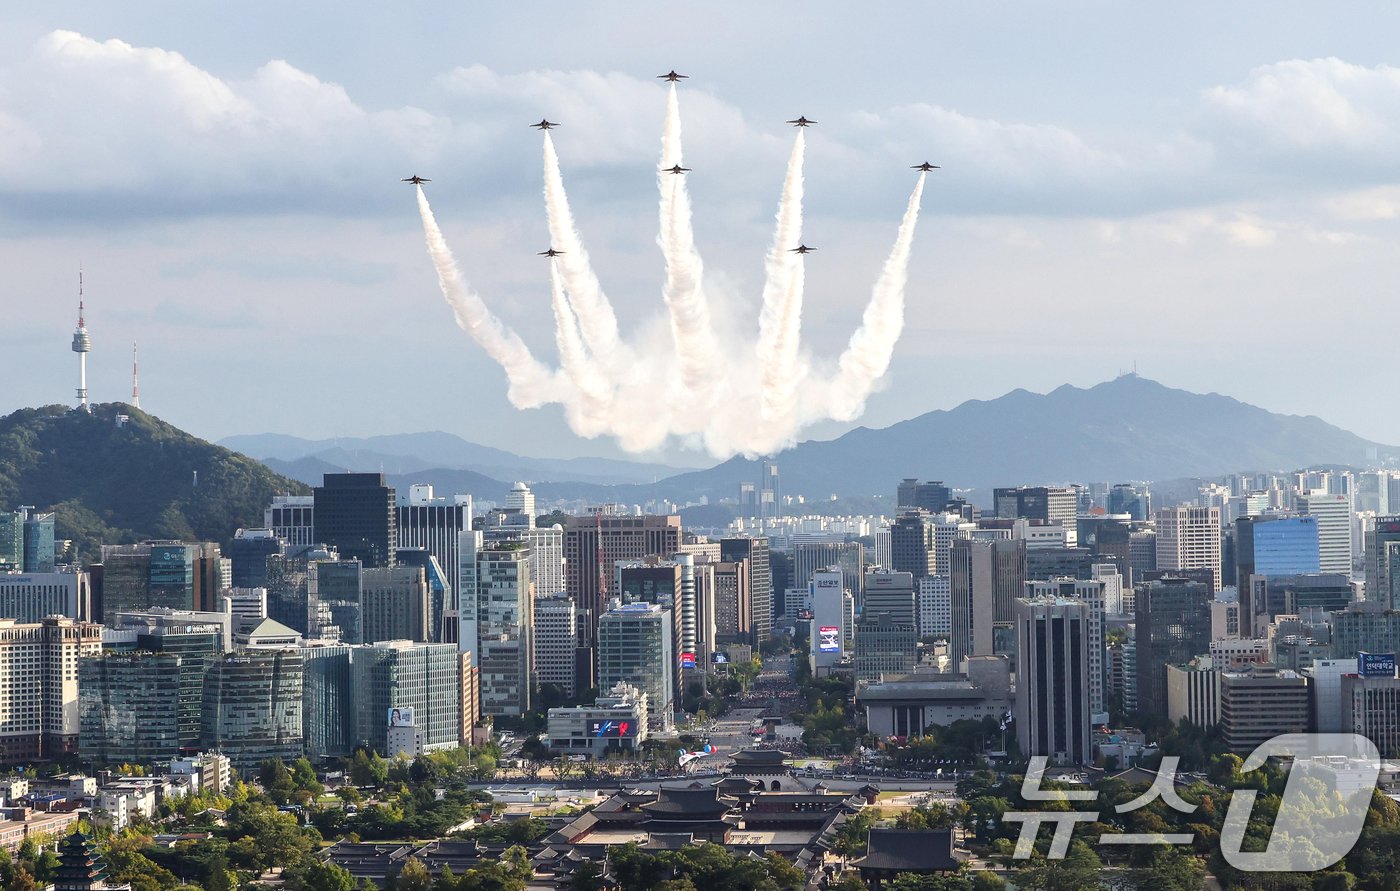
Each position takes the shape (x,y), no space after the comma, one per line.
(109,484)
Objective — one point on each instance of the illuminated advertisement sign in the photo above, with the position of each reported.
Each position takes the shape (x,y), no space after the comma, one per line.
(687,660)
(1375,664)
(611,729)
(719,658)
(829,639)
(401,717)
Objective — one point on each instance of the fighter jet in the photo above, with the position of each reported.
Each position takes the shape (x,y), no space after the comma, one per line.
(802,249)
(549,253)
(544,124)
(677,169)
(672,76)
(925,167)
(802,122)
(416,180)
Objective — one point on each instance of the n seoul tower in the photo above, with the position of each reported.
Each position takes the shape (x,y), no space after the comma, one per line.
(82,344)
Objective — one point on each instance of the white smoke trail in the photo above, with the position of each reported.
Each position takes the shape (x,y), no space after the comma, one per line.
(530,383)
(697,350)
(588,413)
(781,314)
(596,318)
(867,356)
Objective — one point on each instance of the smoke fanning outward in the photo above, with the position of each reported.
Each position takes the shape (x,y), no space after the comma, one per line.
(780,318)
(588,414)
(697,349)
(742,399)
(595,313)
(867,356)
(531,384)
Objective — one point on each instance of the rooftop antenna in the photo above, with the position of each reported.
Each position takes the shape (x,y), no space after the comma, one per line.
(135,378)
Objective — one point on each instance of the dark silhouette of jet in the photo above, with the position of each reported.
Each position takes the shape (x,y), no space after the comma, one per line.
(672,76)
(802,249)
(416,180)
(544,124)
(677,169)
(802,122)
(925,167)
(549,253)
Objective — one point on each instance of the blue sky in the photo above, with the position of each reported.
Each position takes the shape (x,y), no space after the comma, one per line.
(1210,194)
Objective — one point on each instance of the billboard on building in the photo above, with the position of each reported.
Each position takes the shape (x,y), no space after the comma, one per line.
(401,717)
(687,660)
(611,729)
(1375,664)
(829,639)
(719,658)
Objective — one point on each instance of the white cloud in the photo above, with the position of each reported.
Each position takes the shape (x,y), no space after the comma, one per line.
(1310,107)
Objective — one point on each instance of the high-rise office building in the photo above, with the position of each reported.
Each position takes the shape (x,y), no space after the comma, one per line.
(754,552)
(546,559)
(29,597)
(827,638)
(442,598)
(522,501)
(622,538)
(733,608)
(198,638)
(12,541)
(38,543)
(1132,499)
(435,525)
(886,637)
(1052,504)
(422,681)
(355,513)
(248,553)
(1368,627)
(987,576)
(1272,546)
(635,647)
(1379,538)
(328,692)
(913,548)
(1052,679)
(931,496)
(40,663)
(1142,553)
(1120,671)
(394,604)
(1333,513)
(1091,593)
(934,598)
(816,556)
(292,518)
(891,593)
(659,582)
(1370,707)
(125,710)
(334,589)
(497,621)
(1189,538)
(556,642)
(168,574)
(1173,627)
(1259,703)
(252,708)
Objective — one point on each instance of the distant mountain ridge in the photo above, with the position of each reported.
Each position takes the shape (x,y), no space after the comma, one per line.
(1128,428)
(406,453)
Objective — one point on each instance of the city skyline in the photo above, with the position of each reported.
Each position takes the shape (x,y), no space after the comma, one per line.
(245,218)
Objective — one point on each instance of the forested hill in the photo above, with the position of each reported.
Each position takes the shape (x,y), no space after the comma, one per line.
(111,483)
